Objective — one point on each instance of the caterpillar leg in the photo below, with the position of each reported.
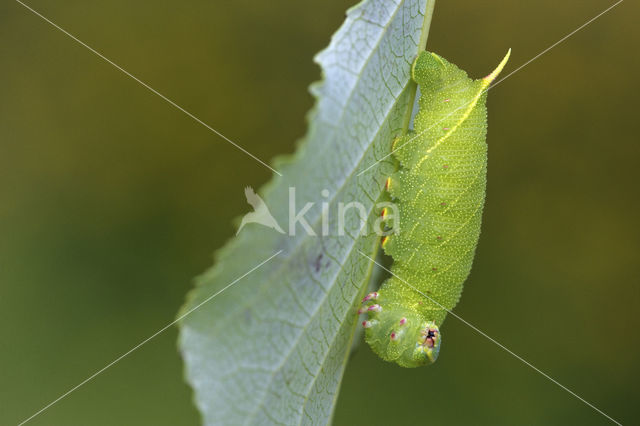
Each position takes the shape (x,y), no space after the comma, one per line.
(399,334)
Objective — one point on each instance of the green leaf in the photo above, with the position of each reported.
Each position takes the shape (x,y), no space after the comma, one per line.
(272,345)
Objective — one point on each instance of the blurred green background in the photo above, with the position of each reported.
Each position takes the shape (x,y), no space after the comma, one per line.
(111,201)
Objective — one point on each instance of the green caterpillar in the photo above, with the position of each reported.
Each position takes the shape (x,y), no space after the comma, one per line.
(439,189)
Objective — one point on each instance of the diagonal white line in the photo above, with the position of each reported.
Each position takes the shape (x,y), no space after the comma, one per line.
(556,43)
(500,81)
(418,135)
(151,89)
(94,375)
(500,345)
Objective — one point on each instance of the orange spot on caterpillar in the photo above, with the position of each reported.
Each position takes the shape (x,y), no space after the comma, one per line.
(384,241)
(384,212)
(443,204)
(393,144)
(446,166)
(439,238)
(387,184)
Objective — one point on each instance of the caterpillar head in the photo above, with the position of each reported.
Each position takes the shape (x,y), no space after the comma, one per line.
(400,335)
(428,68)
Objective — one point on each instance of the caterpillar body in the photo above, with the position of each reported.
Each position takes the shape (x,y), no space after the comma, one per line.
(439,189)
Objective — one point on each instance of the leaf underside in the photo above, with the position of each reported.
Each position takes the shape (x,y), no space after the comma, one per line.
(272,348)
